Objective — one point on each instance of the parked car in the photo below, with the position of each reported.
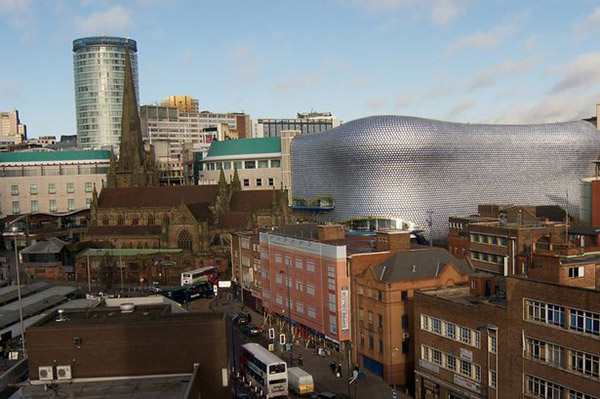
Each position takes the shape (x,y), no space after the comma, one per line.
(252,330)
(242,318)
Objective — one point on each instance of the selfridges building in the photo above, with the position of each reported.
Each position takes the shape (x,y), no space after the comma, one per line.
(392,171)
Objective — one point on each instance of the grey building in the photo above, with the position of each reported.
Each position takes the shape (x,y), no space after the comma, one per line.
(394,169)
(99,70)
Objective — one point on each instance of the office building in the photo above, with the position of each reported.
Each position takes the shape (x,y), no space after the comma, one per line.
(12,131)
(306,123)
(50,182)
(400,168)
(384,283)
(183,103)
(99,68)
(511,338)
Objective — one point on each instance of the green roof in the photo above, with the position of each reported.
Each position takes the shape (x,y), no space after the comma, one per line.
(50,156)
(264,145)
(128,252)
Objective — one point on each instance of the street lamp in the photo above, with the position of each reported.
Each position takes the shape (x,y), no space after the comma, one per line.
(289,305)
(15,232)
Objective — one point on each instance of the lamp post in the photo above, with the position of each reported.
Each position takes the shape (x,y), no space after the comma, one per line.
(289,305)
(14,233)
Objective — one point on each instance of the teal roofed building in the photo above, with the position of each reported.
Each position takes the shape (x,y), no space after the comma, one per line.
(53,182)
(260,163)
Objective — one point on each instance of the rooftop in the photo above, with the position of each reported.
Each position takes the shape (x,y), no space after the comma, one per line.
(461,296)
(127,252)
(265,145)
(50,245)
(134,230)
(54,156)
(416,264)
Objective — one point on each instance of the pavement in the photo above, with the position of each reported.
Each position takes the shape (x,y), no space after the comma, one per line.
(370,387)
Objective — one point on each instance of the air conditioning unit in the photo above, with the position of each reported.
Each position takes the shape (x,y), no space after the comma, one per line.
(405,335)
(63,372)
(45,373)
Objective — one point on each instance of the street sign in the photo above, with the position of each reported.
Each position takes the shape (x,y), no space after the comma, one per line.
(271,347)
(225,284)
(281,339)
(271,333)
(394,394)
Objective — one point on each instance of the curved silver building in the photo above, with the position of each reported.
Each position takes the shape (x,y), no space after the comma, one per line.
(399,168)
(99,66)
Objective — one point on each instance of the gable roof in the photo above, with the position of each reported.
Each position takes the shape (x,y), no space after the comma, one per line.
(263,145)
(252,199)
(428,264)
(50,245)
(156,197)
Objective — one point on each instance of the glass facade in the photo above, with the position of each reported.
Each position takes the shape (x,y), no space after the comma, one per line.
(99,69)
(401,167)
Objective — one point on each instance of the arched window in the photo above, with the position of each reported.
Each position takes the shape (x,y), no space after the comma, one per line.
(121,220)
(184,240)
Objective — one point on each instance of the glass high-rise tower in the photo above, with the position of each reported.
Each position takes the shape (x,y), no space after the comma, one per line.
(99,67)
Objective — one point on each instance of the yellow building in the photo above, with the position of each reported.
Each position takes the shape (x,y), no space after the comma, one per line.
(183,103)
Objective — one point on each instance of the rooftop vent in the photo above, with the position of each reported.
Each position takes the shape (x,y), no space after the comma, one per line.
(127,307)
(414,269)
(61,315)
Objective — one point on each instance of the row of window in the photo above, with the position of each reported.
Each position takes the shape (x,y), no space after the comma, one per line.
(229,165)
(310,288)
(485,257)
(299,262)
(582,321)
(33,188)
(451,363)
(378,294)
(49,170)
(361,316)
(564,358)
(52,206)
(300,307)
(540,388)
(451,331)
(259,182)
(489,239)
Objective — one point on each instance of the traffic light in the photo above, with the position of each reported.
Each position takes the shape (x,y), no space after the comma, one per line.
(271,333)
(281,339)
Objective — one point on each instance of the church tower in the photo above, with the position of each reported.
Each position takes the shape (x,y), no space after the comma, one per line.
(135,167)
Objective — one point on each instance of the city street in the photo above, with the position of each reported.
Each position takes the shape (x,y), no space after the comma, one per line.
(318,366)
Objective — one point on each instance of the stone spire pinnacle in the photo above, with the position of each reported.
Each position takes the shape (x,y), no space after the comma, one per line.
(131,149)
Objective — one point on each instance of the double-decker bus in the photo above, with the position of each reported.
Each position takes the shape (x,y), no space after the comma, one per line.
(188,293)
(263,370)
(207,273)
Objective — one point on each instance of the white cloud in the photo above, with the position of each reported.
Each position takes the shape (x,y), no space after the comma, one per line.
(376,103)
(297,81)
(582,72)
(403,100)
(483,40)
(359,82)
(552,108)
(7,6)
(458,108)
(247,66)
(589,24)
(187,56)
(114,19)
(506,68)
(11,89)
(440,12)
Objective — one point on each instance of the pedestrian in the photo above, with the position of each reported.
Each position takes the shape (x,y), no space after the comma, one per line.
(300,361)
(332,366)
(338,374)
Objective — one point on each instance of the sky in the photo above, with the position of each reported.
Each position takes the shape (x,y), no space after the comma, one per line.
(478,61)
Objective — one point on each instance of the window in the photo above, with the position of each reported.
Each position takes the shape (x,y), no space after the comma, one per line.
(585,322)
(310,266)
(542,389)
(546,313)
(436,326)
(263,164)
(88,186)
(465,368)
(279,299)
(275,163)
(299,286)
(70,204)
(135,221)
(575,272)
(246,182)
(278,279)
(333,324)
(379,295)
(14,190)
(299,307)
(451,330)
(237,164)
(585,363)
(424,322)
(436,357)
(33,189)
(287,261)
(70,188)
(259,182)
(250,164)
(332,303)
(492,378)
(331,284)
(493,344)
(370,317)
(451,363)
(16,208)
(405,346)
(120,220)
(277,257)
(404,295)
(34,206)
(311,312)
(371,342)
(288,282)
(299,263)
(405,321)
(310,289)
(578,395)
(271,182)
(51,188)
(184,240)
(53,207)
(381,347)
(379,320)
(545,352)
(465,335)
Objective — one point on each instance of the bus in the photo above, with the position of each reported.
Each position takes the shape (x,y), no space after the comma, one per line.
(188,293)
(208,273)
(263,370)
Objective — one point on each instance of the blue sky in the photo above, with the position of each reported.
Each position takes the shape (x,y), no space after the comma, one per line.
(491,61)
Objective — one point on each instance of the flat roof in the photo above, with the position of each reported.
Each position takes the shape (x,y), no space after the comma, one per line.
(127,252)
(167,387)
(263,145)
(54,156)
(460,294)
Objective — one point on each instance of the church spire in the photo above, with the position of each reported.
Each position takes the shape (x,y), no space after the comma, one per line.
(131,149)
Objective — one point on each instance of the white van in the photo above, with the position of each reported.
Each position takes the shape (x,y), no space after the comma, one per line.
(300,381)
